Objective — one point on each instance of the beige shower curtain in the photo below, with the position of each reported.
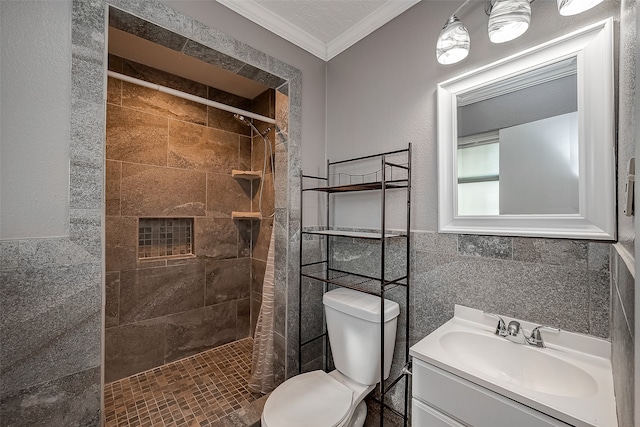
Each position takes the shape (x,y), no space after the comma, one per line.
(261,380)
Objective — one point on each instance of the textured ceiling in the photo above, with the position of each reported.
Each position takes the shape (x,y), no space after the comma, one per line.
(322,27)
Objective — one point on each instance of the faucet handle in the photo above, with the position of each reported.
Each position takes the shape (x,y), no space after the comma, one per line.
(536,338)
(501,329)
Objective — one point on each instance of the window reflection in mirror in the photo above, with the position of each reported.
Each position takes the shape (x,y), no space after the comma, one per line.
(517,150)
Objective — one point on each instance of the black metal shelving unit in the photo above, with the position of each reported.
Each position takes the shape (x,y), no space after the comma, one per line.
(394,174)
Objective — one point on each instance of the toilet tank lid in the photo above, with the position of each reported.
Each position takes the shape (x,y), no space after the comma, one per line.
(361,305)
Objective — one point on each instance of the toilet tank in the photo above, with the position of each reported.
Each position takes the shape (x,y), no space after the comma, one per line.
(353,325)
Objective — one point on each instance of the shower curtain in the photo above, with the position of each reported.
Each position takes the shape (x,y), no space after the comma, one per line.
(261,380)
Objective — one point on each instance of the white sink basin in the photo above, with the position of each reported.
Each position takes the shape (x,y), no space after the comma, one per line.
(524,366)
(570,379)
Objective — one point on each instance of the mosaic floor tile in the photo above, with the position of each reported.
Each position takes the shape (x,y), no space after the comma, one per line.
(196,391)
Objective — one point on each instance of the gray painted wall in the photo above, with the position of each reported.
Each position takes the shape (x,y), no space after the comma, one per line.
(382,91)
(36,95)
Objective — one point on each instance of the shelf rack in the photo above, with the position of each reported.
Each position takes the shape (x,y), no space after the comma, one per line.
(323,271)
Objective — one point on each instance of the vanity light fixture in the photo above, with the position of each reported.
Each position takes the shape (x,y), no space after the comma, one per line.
(573,7)
(508,20)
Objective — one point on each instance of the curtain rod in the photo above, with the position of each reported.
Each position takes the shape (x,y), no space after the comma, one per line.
(190,97)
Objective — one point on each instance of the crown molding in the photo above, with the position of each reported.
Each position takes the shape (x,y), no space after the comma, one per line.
(368,25)
(262,16)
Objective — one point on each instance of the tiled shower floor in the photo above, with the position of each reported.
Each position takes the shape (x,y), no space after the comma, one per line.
(196,391)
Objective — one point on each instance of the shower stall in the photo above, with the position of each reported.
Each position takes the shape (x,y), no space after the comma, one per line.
(189,207)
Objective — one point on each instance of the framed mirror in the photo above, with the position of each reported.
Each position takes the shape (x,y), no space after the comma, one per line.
(526,145)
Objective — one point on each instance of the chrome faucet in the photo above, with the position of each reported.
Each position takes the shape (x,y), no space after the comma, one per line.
(535,338)
(512,332)
(501,329)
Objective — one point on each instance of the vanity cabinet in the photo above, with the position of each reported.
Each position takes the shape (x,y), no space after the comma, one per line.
(442,399)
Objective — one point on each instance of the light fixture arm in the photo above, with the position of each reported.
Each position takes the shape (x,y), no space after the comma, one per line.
(461,7)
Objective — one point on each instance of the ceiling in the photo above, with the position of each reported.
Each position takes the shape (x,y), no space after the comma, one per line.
(324,28)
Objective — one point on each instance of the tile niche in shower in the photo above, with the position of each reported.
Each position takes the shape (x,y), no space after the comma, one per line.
(165,237)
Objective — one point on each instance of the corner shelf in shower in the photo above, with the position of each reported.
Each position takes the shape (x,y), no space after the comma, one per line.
(249,175)
(252,216)
(394,173)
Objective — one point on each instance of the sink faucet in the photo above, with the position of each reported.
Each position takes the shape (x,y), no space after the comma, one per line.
(512,332)
(501,329)
(535,338)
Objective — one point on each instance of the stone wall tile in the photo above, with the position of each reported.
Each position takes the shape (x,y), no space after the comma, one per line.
(485,246)
(625,285)
(213,57)
(39,253)
(50,324)
(133,348)
(598,258)
(622,355)
(87,75)
(225,120)
(258,148)
(87,133)
(435,242)
(244,154)
(194,331)
(243,318)
(9,254)
(226,194)
(112,299)
(216,238)
(282,112)
(85,230)
(136,136)
(227,280)
(162,78)
(155,191)
(121,243)
(114,89)
(268,196)
(144,29)
(570,253)
(112,188)
(162,104)
(70,401)
(159,291)
(202,148)
(85,185)
(599,303)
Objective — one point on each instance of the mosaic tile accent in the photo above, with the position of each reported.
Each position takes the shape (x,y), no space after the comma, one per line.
(197,391)
(161,237)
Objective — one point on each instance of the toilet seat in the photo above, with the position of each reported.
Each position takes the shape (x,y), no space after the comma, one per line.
(314,399)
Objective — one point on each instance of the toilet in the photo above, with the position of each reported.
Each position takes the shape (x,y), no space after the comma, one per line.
(336,399)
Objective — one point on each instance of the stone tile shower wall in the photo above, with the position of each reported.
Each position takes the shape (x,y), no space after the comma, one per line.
(172,158)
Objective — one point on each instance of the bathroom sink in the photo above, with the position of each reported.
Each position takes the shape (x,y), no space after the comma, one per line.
(524,366)
(569,379)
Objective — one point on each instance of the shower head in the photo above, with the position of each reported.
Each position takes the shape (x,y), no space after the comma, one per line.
(246,122)
(242,119)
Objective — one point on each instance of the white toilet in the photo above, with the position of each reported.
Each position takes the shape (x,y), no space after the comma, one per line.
(336,399)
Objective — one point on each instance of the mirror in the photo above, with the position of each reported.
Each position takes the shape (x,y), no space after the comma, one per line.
(526,144)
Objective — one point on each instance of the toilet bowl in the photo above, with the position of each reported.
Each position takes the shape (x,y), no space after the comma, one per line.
(316,399)
(336,399)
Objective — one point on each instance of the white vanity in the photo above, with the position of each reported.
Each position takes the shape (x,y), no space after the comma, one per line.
(466,375)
